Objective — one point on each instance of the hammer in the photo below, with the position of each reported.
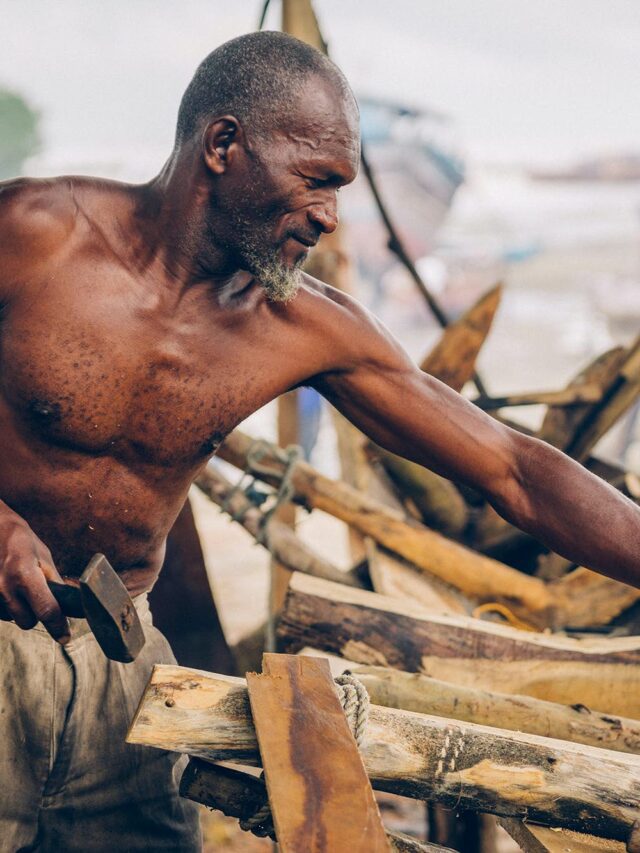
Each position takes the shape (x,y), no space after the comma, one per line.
(102,599)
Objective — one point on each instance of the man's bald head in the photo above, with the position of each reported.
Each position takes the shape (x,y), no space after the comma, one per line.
(256,78)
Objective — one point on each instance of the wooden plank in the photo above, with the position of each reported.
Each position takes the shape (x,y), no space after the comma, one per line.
(412,691)
(473,574)
(616,400)
(239,794)
(453,359)
(320,796)
(390,576)
(458,764)
(585,599)
(374,629)
(546,839)
(560,425)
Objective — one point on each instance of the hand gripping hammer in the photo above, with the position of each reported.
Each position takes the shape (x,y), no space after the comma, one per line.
(102,599)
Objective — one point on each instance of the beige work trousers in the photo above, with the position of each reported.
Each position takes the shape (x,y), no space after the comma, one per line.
(68,780)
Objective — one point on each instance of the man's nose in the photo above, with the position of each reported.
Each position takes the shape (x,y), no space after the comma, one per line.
(325,216)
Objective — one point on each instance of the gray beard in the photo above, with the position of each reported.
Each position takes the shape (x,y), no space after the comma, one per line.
(281,282)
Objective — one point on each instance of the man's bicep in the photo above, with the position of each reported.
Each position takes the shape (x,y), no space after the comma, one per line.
(416,416)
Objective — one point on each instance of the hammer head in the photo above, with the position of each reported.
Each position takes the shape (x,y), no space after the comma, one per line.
(110,612)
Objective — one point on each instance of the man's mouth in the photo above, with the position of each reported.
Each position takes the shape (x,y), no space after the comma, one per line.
(307,242)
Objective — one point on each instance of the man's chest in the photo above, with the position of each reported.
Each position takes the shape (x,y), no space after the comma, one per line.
(107,373)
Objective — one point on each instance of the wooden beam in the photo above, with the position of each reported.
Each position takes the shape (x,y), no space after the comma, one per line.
(616,400)
(412,691)
(287,548)
(374,629)
(461,765)
(240,794)
(473,574)
(318,788)
(560,425)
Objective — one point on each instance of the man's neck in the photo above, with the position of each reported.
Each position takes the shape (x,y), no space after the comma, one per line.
(180,206)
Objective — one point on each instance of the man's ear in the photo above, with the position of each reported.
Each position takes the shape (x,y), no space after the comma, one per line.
(219,140)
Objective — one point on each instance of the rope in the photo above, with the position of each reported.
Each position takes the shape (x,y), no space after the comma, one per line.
(355,703)
(503,610)
(257,452)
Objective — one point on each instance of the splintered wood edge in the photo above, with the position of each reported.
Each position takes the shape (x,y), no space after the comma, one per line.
(341,594)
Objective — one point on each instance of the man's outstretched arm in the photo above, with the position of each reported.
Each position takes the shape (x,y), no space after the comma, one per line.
(530,483)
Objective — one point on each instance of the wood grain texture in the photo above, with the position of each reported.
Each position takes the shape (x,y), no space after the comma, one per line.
(545,839)
(412,691)
(473,574)
(585,599)
(320,796)
(374,629)
(463,765)
(398,579)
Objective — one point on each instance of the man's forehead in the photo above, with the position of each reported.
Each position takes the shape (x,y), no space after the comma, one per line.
(324,125)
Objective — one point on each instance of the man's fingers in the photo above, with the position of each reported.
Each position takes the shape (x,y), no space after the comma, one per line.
(20,613)
(47,610)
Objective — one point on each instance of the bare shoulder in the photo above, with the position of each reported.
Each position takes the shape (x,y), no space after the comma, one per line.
(346,334)
(36,219)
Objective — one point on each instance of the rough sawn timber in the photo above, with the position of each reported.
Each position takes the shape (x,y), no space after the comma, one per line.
(369,628)
(319,793)
(465,766)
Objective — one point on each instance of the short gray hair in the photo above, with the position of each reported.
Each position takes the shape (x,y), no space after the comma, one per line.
(255,78)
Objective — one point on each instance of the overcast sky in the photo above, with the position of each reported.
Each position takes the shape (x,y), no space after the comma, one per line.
(523,81)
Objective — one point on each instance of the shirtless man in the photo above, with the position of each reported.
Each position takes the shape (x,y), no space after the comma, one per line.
(138,326)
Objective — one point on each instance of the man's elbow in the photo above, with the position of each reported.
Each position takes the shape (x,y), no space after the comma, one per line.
(508,489)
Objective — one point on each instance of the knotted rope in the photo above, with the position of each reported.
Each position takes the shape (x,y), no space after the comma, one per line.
(257,452)
(354,699)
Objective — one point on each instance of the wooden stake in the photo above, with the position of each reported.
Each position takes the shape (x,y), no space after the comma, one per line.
(453,359)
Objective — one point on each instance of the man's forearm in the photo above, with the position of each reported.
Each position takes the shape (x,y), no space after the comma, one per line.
(574,512)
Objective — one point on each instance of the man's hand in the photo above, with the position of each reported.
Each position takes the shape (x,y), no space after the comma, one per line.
(26,565)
